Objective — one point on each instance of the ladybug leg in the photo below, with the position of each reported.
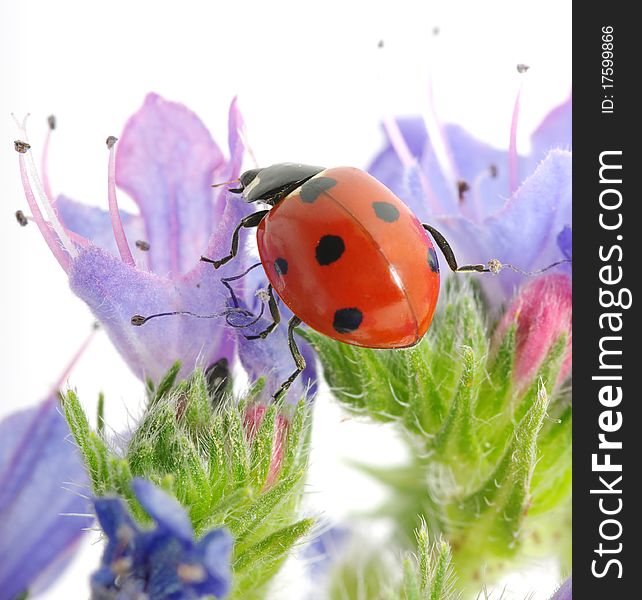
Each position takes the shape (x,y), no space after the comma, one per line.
(296,355)
(252,220)
(276,317)
(444,246)
(226,282)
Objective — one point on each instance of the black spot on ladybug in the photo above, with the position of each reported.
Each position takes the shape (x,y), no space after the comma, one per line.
(312,189)
(347,320)
(386,212)
(432,260)
(329,249)
(281,266)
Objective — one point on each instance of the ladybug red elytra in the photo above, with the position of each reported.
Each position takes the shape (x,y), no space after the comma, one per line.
(345,255)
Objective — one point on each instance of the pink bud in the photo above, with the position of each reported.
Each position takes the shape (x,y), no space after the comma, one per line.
(543,312)
(253,418)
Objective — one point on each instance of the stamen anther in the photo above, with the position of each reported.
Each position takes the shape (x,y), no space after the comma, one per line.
(462,188)
(21,146)
(21,218)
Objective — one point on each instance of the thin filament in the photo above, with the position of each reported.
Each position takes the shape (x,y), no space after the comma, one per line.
(114,213)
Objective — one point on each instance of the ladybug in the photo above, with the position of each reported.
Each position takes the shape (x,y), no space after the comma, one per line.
(344,254)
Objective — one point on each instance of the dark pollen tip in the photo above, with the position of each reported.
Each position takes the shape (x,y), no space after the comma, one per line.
(22,220)
(21,146)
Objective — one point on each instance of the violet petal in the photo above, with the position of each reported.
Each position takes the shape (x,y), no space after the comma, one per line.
(115,292)
(94,224)
(565,592)
(163,508)
(166,161)
(37,460)
(524,233)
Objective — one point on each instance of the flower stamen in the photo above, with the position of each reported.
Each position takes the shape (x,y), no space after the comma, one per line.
(28,171)
(24,220)
(191,573)
(116,221)
(513,174)
(45,229)
(44,164)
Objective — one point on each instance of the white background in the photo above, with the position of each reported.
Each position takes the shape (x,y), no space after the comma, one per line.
(312,83)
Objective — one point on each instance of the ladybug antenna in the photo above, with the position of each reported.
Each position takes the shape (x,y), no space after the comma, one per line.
(214,185)
(494,266)
(139,320)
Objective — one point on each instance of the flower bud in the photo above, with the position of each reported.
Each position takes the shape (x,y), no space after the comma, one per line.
(542,312)
(254,416)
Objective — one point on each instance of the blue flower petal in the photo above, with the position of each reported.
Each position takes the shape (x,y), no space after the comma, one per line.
(163,561)
(321,552)
(112,514)
(36,461)
(565,241)
(565,592)
(166,160)
(477,217)
(386,166)
(215,553)
(115,292)
(524,233)
(481,167)
(165,510)
(163,581)
(94,224)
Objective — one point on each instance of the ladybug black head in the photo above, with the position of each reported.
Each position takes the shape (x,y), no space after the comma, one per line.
(248,177)
(271,184)
(245,179)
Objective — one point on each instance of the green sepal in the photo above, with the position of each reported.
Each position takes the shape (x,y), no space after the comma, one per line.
(495,512)
(204,456)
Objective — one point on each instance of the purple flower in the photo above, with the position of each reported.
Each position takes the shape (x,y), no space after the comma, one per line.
(322,552)
(122,264)
(40,522)
(488,203)
(164,563)
(565,592)
(565,241)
